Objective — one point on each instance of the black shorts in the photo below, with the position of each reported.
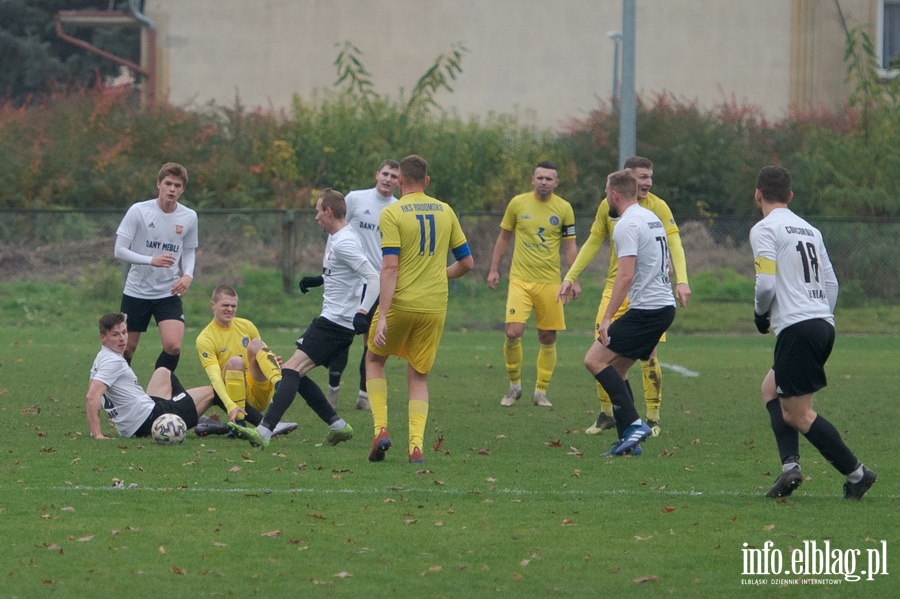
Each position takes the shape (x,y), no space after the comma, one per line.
(323,339)
(139,311)
(801,351)
(181,405)
(636,333)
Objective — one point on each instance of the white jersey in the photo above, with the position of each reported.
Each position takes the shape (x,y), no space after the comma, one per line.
(640,233)
(149,231)
(364,208)
(125,401)
(805,284)
(344,270)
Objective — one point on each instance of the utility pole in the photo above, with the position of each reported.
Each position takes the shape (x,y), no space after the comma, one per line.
(628,102)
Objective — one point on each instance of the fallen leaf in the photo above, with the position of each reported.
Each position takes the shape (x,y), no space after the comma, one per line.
(67,509)
(555,443)
(769,527)
(343,575)
(640,538)
(86,538)
(410,521)
(178,571)
(517,576)
(524,562)
(667,509)
(234,469)
(435,568)
(645,579)
(576,474)
(161,550)
(567,522)
(438,523)
(484,452)
(437,444)
(271,533)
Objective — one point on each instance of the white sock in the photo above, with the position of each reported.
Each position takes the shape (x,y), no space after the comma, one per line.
(338,424)
(856,475)
(264,432)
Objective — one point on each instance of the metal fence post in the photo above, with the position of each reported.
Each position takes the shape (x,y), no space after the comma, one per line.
(288,250)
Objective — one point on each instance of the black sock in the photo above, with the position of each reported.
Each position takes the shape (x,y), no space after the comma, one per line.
(336,367)
(169,361)
(315,399)
(618,390)
(362,370)
(177,387)
(283,398)
(827,440)
(786,437)
(253,415)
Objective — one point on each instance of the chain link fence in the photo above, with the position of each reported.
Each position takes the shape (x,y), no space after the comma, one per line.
(65,245)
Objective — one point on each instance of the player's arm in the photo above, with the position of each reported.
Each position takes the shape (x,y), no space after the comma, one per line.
(829,279)
(571,249)
(500,247)
(621,285)
(763,244)
(464,262)
(188,260)
(207,352)
(93,401)
(582,259)
(679,265)
(389,269)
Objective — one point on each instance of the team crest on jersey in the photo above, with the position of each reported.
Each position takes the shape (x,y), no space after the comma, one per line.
(245,341)
(554,220)
(178,229)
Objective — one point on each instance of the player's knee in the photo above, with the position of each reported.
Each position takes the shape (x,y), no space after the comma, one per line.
(234,363)
(255,346)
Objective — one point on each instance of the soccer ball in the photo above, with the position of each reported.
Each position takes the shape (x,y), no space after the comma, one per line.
(168,429)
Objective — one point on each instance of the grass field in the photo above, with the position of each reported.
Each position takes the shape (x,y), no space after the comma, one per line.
(511,502)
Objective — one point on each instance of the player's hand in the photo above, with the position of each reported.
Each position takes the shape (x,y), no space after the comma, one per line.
(307,283)
(603,332)
(182,285)
(360,323)
(101,437)
(682,294)
(380,337)
(493,278)
(236,414)
(566,292)
(762,322)
(162,260)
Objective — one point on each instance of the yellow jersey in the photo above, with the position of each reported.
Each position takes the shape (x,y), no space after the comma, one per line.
(420,230)
(539,227)
(217,345)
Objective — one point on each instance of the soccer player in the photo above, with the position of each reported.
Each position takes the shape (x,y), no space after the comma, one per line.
(241,368)
(601,229)
(417,233)
(159,239)
(114,387)
(343,316)
(796,291)
(364,208)
(643,276)
(542,222)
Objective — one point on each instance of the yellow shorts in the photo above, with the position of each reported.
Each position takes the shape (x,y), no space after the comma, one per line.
(411,336)
(541,297)
(604,302)
(259,394)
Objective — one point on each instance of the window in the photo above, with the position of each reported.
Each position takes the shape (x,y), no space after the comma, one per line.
(889,36)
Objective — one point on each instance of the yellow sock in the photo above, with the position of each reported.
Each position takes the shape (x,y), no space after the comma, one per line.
(236,387)
(512,351)
(605,401)
(269,365)
(546,363)
(378,402)
(418,417)
(652,375)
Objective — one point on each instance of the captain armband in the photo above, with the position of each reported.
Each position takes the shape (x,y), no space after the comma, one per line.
(764,266)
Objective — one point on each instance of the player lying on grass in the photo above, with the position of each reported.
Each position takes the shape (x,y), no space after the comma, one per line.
(114,387)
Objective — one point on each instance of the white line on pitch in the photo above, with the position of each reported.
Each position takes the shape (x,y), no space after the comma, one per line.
(680,370)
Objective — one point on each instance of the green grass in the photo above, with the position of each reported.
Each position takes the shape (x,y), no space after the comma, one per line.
(514,503)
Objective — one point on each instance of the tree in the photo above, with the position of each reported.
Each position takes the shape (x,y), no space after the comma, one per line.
(34,62)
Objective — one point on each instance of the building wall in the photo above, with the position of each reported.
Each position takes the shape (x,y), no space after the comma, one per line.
(544,62)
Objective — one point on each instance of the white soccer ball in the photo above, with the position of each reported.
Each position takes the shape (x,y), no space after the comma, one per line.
(168,429)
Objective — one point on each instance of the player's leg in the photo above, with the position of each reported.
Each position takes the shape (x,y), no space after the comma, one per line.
(651,375)
(605,420)
(336,367)
(801,351)
(546,364)
(169,315)
(550,318)
(362,398)
(518,308)
(418,412)
(377,386)
(786,439)
(420,352)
